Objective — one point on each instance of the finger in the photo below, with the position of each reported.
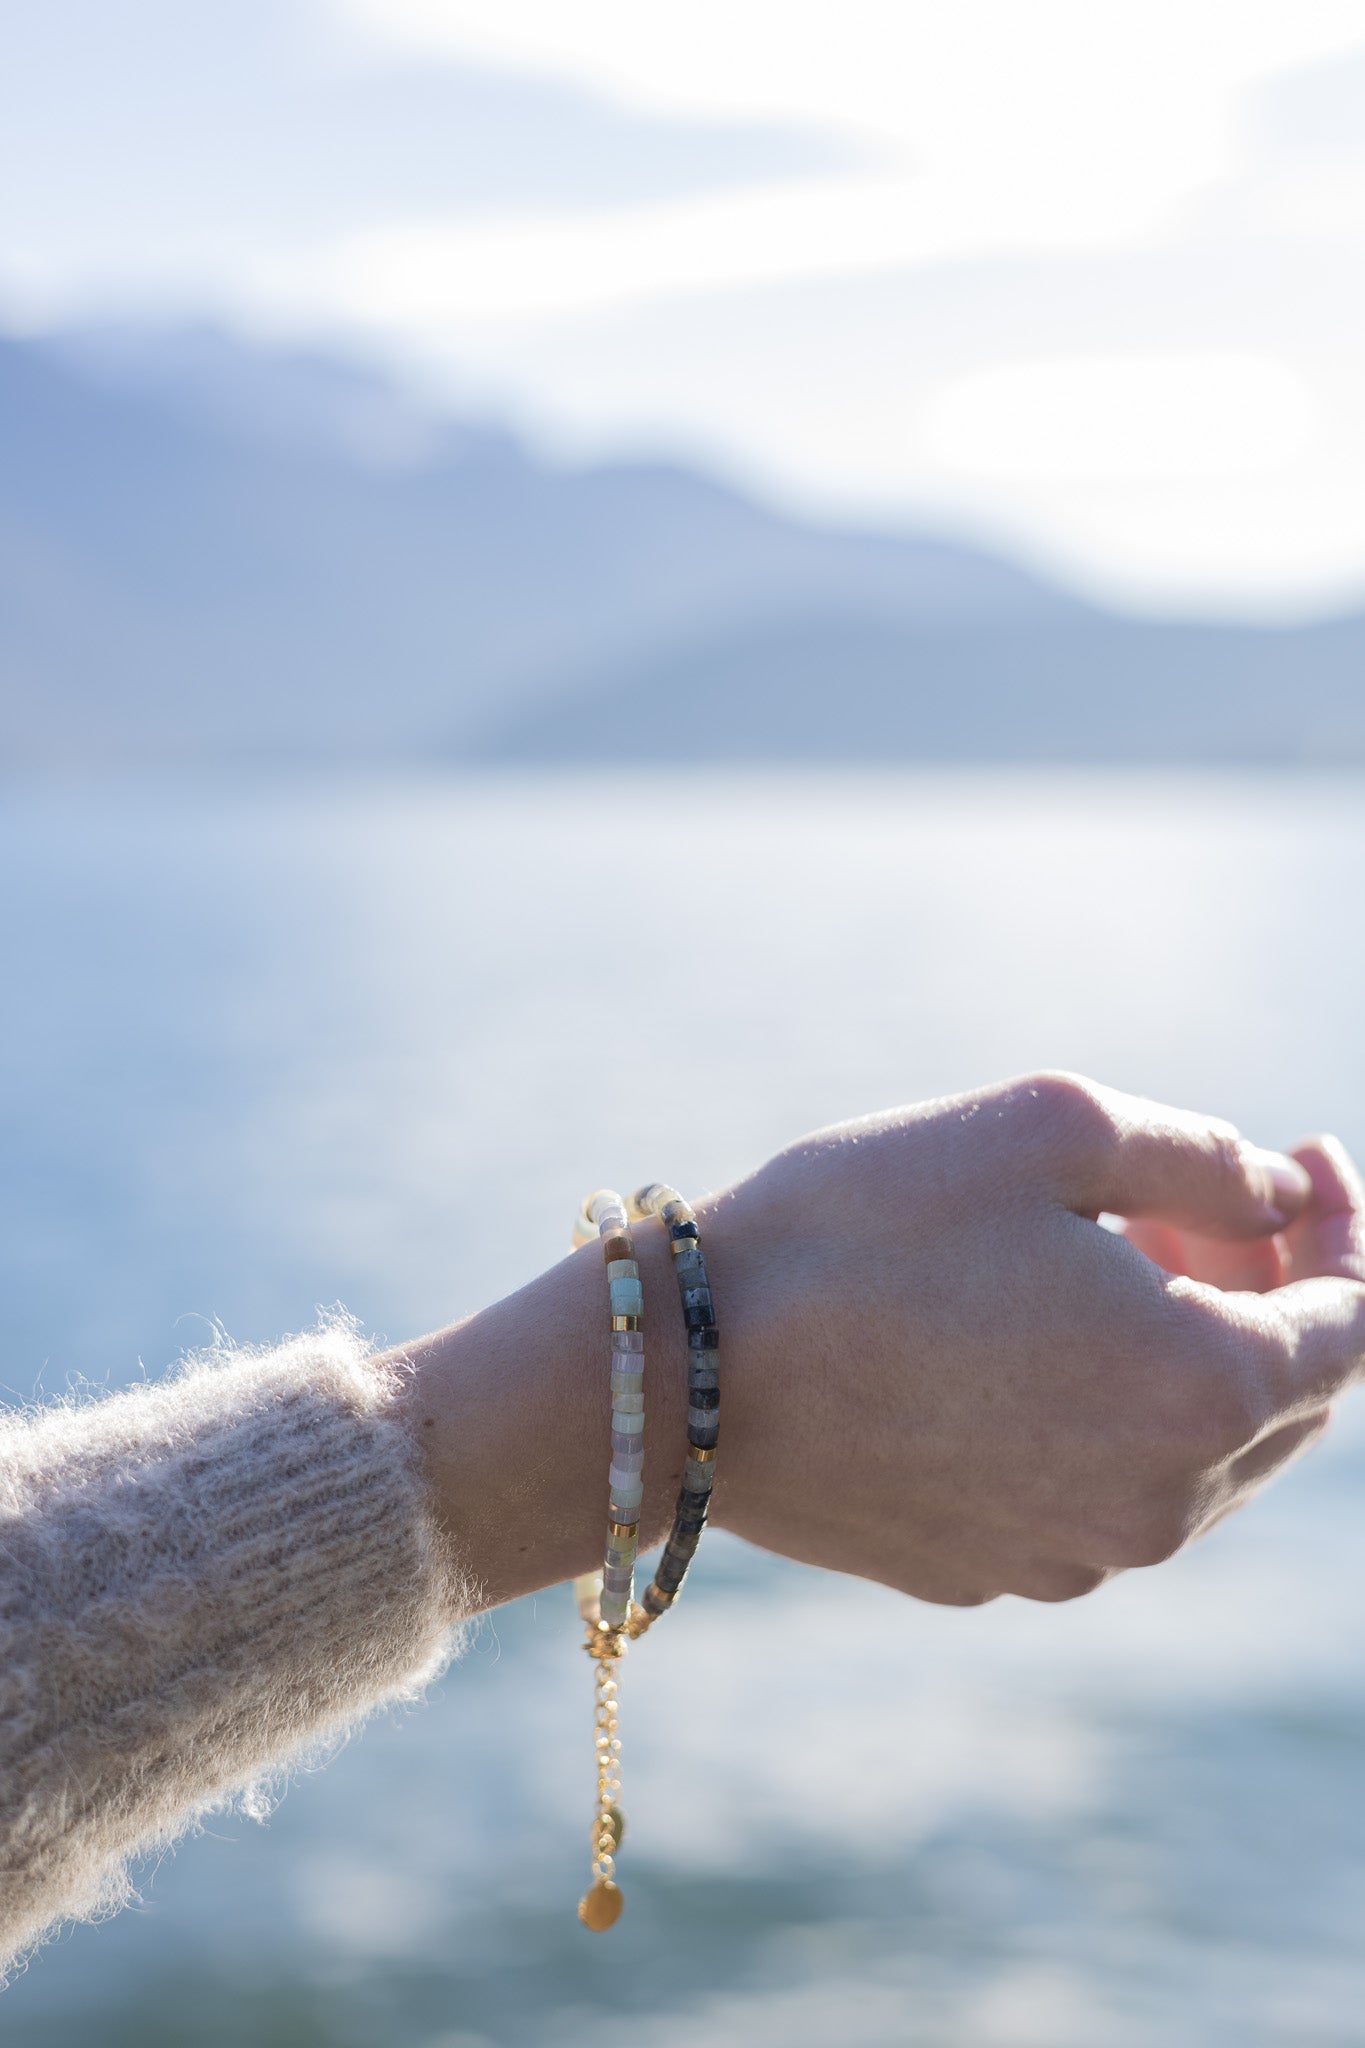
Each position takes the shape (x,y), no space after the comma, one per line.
(1141,1159)
(1252,1266)
(1328,1238)
(1314,1337)
(1160,1242)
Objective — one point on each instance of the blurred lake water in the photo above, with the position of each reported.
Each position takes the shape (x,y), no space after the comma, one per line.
(273,1047)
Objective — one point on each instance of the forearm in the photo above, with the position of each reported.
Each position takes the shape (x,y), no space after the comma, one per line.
(195,1578)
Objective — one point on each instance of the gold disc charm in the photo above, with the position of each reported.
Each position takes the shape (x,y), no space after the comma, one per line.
(600,1908)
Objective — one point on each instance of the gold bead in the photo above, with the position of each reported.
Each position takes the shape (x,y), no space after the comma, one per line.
(600,1908)
(701,1457)
(625,1322)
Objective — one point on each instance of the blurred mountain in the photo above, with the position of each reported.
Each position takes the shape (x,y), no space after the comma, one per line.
(213,552)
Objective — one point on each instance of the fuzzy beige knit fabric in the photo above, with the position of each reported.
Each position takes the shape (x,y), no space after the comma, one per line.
(197,1578)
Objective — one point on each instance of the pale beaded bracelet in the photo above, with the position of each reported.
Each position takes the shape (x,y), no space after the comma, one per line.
(605,1213)
(605,1599)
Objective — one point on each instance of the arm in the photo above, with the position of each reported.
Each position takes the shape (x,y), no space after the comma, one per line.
(197,1577)
(938,1372)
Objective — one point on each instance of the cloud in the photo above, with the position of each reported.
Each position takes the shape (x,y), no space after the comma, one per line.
(1171,416)
(158,147)
(791,238)
(1313,110)
(908,69)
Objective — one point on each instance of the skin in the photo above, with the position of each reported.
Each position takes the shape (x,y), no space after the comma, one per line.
(939,1368)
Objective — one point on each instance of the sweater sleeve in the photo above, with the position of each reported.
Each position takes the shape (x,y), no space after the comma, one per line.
(197,1578)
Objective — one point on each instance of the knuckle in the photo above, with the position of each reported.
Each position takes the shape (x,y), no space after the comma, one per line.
(1056,1583)
(938,1592)
(1222,1148)
(945,1582)
(1155,1538)
(1072,1110)
(1145,1530)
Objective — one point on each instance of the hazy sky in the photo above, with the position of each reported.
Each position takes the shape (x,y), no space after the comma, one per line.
(1088,276)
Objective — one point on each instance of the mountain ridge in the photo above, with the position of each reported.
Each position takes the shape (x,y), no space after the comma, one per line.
(210,552)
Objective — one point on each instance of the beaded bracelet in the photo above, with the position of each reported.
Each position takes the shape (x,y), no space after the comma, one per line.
(605,1599)
(605,1214)
(703,1398)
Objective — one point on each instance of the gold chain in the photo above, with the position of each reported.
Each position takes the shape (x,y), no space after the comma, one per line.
(600,1906)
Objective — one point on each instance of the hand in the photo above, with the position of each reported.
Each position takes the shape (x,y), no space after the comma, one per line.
(940,1371)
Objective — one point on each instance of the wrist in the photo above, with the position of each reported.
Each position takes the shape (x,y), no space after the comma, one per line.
(509,1415)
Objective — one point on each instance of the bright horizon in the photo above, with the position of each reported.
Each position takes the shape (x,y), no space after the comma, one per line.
(1084,282)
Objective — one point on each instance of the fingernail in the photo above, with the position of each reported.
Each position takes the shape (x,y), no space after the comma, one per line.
(1286,1184)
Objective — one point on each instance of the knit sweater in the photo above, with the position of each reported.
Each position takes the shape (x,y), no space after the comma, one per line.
(197,1578)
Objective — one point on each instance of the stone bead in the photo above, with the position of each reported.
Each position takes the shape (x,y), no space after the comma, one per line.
(606,1210)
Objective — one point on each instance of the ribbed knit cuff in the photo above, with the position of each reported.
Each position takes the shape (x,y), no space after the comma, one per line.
(197,1577)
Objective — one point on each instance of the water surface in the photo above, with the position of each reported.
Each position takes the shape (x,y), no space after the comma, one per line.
(273,1048)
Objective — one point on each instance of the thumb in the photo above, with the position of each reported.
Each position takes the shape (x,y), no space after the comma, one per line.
(1136,1158)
